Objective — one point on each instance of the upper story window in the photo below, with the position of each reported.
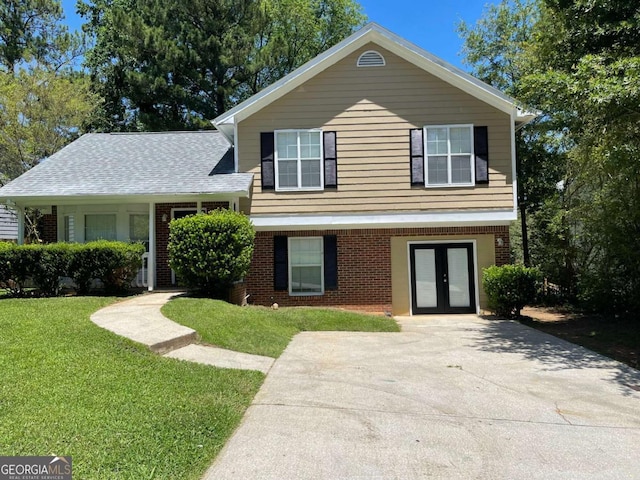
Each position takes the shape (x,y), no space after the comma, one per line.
(449,155)
(298,160)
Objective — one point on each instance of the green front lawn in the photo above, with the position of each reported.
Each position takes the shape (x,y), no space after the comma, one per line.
(261,330)
(71,388)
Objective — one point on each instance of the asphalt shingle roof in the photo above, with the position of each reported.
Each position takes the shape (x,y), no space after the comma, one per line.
(166,163)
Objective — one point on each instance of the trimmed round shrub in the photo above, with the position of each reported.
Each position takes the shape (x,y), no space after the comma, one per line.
(209,252)
(510,287)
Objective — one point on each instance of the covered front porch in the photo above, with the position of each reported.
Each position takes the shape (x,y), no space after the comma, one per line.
(128,187)
(127,221)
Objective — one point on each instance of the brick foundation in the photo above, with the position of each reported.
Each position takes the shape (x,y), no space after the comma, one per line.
(364,265)
(163,272)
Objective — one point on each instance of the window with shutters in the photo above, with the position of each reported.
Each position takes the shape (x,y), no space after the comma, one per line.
(306,266)
(298,160)
(448,155)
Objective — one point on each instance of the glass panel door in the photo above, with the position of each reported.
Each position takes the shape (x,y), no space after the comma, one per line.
(458,277)
(442,278)
(426,292)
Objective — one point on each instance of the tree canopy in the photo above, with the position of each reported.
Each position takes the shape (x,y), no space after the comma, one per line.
(580,64)
(171,64)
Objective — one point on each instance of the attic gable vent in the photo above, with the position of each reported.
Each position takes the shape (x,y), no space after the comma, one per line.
(371,58)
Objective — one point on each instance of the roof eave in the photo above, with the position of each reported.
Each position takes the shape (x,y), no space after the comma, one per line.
(88,198)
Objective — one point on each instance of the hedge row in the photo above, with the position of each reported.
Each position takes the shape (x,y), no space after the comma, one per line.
(115,264)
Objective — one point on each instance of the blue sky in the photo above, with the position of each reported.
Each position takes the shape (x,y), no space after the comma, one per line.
(430,24)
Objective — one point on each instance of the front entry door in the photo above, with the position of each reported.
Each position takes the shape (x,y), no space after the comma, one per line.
(442,278)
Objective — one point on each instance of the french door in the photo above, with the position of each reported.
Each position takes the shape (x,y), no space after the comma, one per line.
(442,278)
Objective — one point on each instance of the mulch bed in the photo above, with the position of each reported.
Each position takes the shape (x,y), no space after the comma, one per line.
(615,337)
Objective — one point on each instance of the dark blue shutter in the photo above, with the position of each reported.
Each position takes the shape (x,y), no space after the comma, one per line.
(416,148)
(267,161)
(330,262)
(280,263)
(481,151)
(330,160)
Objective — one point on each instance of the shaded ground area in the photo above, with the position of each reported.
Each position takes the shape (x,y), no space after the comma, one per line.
(618,338)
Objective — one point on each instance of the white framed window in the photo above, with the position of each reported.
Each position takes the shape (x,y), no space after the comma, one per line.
(449,155)
(298,160)
(139,229)
(306,266)
(99,226)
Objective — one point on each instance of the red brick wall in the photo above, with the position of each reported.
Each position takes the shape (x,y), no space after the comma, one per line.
(503,254)
(163,272)
(364,266)
(48,226)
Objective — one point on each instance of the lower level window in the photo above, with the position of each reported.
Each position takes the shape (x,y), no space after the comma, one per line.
(99,227)
(306,266)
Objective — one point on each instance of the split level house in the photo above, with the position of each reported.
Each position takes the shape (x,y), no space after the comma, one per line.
(377,176)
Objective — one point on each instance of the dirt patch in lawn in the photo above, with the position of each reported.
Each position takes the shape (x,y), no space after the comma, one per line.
(618,338)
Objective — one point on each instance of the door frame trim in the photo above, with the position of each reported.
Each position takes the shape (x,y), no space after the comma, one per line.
(443,241)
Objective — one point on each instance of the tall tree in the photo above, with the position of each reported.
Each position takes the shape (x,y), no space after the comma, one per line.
(41,112)
(587,59)
(170,64)
(497,50)
(32,31)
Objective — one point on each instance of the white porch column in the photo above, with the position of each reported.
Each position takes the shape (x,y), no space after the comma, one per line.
(20,214)
(151,261)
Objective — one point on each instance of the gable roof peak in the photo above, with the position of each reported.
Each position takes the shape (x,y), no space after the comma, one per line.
(375,33)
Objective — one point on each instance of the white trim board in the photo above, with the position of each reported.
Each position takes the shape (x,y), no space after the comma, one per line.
(382,220)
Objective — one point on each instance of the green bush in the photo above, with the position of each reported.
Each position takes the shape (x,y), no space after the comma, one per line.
(209,252)
(115,264)
(51,263)
(6,255)
(510,287)
(21,262)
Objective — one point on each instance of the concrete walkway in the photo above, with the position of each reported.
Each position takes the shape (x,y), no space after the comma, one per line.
(141,320)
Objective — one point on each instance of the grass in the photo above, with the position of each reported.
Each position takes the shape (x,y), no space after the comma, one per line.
(71,388)
(261,330)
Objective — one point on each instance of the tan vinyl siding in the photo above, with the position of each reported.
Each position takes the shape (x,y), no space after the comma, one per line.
(372,110)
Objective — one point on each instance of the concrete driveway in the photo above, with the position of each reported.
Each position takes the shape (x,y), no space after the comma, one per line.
(456,397)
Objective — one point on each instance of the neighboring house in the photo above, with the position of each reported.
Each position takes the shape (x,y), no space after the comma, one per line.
(377,176)
(8,224)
